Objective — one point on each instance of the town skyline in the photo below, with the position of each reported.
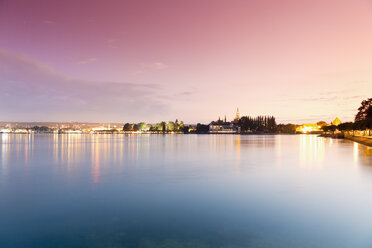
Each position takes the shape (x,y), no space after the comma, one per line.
(219,118)
(229,117)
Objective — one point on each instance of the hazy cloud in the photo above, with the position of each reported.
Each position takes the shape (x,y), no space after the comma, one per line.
(112,43)
(150,67)
(138,72)
(185,93)
(48,22)
(87,61)
(31,90)
(353,97)
(159,66)
(317,99)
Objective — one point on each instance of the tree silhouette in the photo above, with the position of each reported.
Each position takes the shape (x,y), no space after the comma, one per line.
(265,124)
(128,127)
(365,110)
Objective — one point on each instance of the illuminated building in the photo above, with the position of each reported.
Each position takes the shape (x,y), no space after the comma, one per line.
(336,121)
(222,127)
(308,128)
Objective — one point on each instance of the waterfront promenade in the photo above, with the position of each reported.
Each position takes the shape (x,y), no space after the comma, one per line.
(361,139)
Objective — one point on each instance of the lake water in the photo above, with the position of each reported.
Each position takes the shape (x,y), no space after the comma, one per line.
(217,191)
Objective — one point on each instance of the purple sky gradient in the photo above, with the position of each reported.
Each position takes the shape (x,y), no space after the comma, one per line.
(195,60)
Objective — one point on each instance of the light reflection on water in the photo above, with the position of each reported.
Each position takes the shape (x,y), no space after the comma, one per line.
(311,150)
(184,191)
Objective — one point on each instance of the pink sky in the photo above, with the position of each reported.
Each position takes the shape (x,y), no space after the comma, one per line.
(195,60)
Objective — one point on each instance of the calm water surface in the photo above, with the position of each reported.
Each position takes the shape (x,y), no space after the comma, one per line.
(184,191)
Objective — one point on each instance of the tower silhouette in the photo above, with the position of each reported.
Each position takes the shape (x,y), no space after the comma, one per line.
(237,114)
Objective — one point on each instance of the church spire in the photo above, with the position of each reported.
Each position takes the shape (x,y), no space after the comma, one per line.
(237,114)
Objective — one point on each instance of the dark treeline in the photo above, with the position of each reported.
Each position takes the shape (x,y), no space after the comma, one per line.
(42,129)
(262,124)
(286,128)
(360,125)
(202,129)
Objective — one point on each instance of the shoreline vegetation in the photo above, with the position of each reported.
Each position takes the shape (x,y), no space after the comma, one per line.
(358,131)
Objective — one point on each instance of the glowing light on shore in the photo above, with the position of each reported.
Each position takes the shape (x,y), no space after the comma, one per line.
(308,128)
